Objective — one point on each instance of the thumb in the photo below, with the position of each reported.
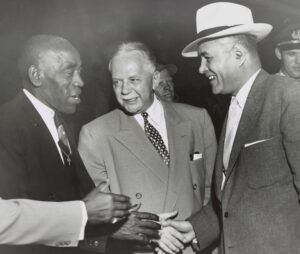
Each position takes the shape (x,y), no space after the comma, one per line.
(104,186)
(165,216)
(178,225)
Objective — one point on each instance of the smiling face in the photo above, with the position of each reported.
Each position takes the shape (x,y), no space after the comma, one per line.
(133,81)
(60,80)
(290,62)
(219,63)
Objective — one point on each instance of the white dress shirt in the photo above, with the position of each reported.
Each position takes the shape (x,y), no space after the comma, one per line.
(156,118)
(239,100)
(47,114)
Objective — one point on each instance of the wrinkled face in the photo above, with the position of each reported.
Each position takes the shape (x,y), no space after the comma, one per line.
(219,65)
(61,82)
(165,88)
(132,82)
(290,63)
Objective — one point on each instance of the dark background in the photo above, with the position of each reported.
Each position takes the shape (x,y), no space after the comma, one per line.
(94,27)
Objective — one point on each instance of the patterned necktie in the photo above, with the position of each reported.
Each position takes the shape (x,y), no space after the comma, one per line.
(155,138)
(63,141)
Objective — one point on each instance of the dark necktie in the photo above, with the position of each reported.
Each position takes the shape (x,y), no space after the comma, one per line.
(156,139)
(63,141)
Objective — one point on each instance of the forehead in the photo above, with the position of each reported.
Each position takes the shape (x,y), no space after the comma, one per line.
(213,46)
(292,51)
(60,57)
(164,74)
(128,63)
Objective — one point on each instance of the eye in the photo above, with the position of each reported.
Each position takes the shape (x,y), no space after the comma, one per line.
(134,80)
(117,83)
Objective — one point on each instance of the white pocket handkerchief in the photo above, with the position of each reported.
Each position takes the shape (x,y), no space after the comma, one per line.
(196,156)
(256,142)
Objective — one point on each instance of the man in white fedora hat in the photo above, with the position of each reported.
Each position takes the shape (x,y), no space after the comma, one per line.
(257,170)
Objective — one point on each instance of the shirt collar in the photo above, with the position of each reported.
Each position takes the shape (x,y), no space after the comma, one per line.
(243,93)
(42,108)
(155,111)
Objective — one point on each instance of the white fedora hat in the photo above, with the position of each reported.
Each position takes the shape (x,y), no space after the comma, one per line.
(224,19)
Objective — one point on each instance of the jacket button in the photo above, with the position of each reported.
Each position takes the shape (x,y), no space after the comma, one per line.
(138,195)
(194,186)
(226,214)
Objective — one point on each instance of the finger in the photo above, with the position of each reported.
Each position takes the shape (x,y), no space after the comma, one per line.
(165,248)
(173,237)
(146,216)
(165,216)
(120,198)
(178,225)
(135,207)
(170,244)
(159,251)
(121,205)
(142,238)
(152,234)
(150,224)
(120,213)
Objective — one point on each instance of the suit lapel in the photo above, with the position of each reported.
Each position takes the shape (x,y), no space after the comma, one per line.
(133,137)
(248,119)
(178,137)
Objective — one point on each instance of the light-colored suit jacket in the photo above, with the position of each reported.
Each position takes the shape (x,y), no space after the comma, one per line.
(259,205)
(26,221)
(114,146)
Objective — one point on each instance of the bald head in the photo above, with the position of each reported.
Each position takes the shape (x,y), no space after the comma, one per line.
(37,48)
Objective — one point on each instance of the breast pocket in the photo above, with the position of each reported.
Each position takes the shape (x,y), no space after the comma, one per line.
(198,173)
(265,163)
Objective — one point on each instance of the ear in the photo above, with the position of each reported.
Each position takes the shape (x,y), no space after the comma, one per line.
(155,81)
(278,53)
(35,76)
(240,54)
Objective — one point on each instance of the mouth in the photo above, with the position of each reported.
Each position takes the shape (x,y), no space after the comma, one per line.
(211,77)
(130,101)
(75,99)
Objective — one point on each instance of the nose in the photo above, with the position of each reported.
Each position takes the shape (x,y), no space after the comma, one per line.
(203,66)
(77,81)
(125,89)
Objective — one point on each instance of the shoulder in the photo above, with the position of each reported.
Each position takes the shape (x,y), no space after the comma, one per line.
(106,123)
(187,111)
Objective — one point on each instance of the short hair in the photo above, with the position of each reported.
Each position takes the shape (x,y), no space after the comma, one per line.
(33,48)
(248,41)
(140,47)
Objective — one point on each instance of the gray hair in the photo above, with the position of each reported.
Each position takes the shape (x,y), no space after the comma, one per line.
(141,48)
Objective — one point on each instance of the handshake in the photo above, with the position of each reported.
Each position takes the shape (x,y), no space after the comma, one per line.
(163,234)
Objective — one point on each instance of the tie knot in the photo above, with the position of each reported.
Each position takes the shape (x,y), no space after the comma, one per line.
(145,115)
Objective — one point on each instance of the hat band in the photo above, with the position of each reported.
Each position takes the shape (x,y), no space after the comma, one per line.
(210,31)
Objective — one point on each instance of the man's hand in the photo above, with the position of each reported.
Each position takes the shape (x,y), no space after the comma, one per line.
(139,226)
(185,228)
(105,207)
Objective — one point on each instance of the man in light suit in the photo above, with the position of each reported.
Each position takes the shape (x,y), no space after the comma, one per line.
(39,158)
(257,172)
(174,175)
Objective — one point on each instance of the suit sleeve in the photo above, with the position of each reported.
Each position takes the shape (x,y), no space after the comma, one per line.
(290,128)
(26,222)
(210,153)
(206,225)
(91,156)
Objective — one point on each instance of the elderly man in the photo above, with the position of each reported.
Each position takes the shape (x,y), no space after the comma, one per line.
(288,51)
(165,88)
(39,159)
(160,154)
(257,173)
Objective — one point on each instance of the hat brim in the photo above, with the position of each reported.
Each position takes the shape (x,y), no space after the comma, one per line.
(259,30)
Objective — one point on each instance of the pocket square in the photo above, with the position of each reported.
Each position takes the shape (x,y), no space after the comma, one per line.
(256,142)
(195,156)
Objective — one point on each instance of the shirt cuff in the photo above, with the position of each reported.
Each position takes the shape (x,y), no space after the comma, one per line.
(83,221)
